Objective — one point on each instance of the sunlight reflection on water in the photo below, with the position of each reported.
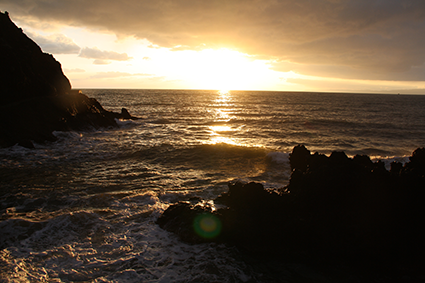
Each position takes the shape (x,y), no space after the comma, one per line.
(222,133)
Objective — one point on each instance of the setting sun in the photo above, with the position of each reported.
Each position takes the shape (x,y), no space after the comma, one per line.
(224,70)
(188,141)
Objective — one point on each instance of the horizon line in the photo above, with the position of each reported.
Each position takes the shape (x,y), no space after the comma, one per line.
(389,92)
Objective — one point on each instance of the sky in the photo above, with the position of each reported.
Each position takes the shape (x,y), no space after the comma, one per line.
(283,45)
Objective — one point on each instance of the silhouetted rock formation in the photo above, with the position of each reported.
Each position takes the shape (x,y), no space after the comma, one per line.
(36,97)
(334,208)
(26,72)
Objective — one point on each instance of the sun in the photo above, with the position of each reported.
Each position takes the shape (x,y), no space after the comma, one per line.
(223,70)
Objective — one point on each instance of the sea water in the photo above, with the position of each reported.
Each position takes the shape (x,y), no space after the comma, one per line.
(84,208)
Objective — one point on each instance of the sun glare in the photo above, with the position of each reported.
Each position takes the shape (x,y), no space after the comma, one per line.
(223,70)
(223,92)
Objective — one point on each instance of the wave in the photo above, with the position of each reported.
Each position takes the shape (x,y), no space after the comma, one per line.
(114,247)
(279,157)
(13,231)
(123,123)
(205,155)
(162,121)
(206,164)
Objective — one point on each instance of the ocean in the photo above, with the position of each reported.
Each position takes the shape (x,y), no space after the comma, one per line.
(84,208)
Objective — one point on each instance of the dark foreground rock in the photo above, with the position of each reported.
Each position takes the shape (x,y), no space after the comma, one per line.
(36,97)
(334,209)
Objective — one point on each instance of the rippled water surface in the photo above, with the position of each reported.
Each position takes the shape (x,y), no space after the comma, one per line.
(83,208)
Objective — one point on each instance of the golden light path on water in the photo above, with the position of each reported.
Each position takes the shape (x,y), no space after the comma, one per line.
(222,116)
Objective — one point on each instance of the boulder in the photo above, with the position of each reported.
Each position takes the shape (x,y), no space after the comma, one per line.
(183,219)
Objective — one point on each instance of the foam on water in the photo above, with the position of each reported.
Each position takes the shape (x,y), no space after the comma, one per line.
(279,157)
(84,208)
(117,243)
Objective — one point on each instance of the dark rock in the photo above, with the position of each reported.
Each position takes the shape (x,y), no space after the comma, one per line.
(396,168)
(300,158)
(339,158)
(364,161)
(339,209)
(183,219)
(26,72)
(318,161)
(36,97)
(416,164)
(418,158)
(125,114)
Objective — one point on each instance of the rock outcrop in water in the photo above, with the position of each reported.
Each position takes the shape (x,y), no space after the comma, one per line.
(334,208)
(36,97)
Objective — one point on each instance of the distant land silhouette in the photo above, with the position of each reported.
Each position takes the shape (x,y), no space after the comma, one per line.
(36,97)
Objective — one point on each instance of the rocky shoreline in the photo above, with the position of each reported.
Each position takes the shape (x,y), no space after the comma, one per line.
(34,120)
(36,98)
(334,209)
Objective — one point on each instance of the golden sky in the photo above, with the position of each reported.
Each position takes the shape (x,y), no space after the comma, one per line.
(303,45)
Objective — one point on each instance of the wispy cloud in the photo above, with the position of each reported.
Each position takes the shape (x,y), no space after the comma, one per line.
(108,75)
(101,62)
(55,43)
(76,70)
(103,57)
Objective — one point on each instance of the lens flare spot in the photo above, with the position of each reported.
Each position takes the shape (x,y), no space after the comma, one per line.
(207,225)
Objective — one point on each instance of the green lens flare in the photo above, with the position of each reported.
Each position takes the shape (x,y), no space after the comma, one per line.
(207,225)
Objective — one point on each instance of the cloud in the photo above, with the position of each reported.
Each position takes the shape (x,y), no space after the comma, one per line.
(101,62)
(109,75)
(55,43)
(383,38)
(415,73)
(101,57)
(353,85)
(77,70)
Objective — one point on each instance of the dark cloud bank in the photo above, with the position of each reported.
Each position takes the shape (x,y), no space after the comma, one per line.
(361,39)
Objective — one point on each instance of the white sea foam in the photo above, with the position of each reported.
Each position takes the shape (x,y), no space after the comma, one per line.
(84,208)
(126,123)
(279,157)
(67,135)
(116,244)
(138,252)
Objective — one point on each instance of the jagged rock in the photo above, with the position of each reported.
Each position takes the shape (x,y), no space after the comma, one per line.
(125,114)
(36,97)
(300,157)
(334,208)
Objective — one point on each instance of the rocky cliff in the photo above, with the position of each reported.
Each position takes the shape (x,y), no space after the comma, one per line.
(26,72)
(36,97)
